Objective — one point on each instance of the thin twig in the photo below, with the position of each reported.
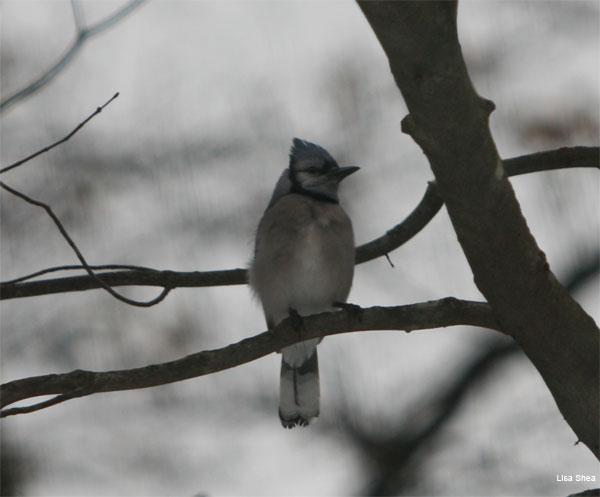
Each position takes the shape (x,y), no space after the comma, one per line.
(83,34)
(113,18)
(396,452)
(40,405)
(77,16)
(62,140)
(166,278)
(75,267)
(424,212)
(429,205)
(61,228)
(79,255)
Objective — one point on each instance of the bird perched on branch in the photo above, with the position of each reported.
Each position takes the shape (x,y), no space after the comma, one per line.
(303,264)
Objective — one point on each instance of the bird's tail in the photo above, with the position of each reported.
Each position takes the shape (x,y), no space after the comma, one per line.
(299,385)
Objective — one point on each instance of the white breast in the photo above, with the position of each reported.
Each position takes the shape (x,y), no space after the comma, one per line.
(304,258)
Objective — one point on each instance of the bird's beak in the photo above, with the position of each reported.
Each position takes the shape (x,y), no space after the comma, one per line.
(340,173)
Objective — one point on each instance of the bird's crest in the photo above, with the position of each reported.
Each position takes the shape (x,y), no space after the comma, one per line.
(302,150)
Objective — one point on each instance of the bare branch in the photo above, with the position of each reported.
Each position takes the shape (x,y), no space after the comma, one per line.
(79,383)
(79,255)
(83,34)
(77,16)
(62,140)
(592,492)
(59,225)
(151,277)
(113,19)
(560,158)
(429,205)
(400,456)
(42,405)
(76,267)
(424,212)
(562,341)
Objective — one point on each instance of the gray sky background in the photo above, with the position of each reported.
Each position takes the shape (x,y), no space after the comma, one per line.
(175,174)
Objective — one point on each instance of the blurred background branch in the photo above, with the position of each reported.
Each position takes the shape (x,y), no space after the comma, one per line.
(83,33)
(214,91)
(398,460)
(79,255)
(427,208)
(59,224)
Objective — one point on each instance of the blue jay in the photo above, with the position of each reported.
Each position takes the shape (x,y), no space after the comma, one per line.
(303,264)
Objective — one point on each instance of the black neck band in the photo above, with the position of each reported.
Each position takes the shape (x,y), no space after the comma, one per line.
(296,188)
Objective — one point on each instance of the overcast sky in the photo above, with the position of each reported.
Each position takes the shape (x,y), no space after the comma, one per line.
(175,174)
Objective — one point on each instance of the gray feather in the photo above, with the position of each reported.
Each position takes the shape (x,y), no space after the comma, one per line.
(303,260)
(283,187)
(302,149)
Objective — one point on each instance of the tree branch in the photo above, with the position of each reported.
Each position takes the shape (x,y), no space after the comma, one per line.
(83,34)
(79,383)
(79,255)
(58,223)
(560,158)
(427,208)
(420,40)
(424,212)
(62,140)
(77,267)
(395,456)
(400,457)
(149,277)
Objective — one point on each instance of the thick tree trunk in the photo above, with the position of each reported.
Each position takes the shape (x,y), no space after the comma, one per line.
(449,121)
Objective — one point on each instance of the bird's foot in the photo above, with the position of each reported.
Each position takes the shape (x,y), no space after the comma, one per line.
(296,320)
(292,422)
(354,309)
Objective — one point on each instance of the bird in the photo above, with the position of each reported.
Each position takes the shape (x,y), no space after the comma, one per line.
(303,264)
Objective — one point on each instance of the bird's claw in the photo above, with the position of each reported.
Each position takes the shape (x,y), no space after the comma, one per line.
(296,320)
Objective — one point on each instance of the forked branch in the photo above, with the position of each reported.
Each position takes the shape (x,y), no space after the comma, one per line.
(84,33)
(425,211)
(59,225)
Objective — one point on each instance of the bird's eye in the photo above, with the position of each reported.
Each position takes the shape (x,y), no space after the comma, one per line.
(313,170)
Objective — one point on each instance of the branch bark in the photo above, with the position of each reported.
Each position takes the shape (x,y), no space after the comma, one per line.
(424,212)
(400,458)
(79,255)
(79,383)
(449,121)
